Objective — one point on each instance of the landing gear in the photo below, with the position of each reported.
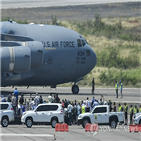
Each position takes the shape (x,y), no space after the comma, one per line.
(75,89)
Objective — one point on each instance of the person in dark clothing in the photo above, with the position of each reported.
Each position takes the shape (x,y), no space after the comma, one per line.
(57,99)
(41,99)
(93,84)
(110,105)
(116,88)
(9,98)
(21,100)
(131,114)
(66,118)
(66,103)
(114,108)
(126,113)
(74,113)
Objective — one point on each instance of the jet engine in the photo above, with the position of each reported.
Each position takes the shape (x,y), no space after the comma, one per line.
(19,59)
(15,59)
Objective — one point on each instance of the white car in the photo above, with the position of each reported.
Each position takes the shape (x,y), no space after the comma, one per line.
(6,113)
(49,113)
(137,118)
(101,115)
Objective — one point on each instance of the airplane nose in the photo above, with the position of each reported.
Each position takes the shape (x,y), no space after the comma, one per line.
(94,58)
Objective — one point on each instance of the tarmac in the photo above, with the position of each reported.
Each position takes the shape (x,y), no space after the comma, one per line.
(76,133)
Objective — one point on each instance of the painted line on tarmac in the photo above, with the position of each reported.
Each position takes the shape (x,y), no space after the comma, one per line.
(28,135)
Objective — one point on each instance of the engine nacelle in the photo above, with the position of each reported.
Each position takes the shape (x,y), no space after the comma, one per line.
(15,59)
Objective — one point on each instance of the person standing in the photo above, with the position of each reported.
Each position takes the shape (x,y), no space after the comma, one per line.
(23,108)
(31,104)
(93,84)
(41,99)
(50,99)
(83,108)
(136,109)
(14,103)
(69,108)
(66,103)
(140,109)
(116,88)
(101,102)
(36,100)
(16,93)
(121,89)
(74,113)
(3,99)
(87,105)
(131,114)
(93,100)
(114,108)
(120,108)
(9,98)
(21,100)
(57,99)
(110,105)
(126,113)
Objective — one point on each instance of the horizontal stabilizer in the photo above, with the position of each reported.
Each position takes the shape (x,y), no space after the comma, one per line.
(9,43)
(12,37)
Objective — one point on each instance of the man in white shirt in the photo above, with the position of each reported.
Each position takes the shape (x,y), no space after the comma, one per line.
(69,108)
(88,105)
(50,98)
(36,100)
(31,104)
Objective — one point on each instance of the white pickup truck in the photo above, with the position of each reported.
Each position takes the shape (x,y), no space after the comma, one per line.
(101,115)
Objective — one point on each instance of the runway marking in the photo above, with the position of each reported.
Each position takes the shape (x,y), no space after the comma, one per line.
(28,135)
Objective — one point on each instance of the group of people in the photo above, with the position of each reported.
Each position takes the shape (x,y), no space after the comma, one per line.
(72,109)
(132,111)
(14,99)
(116,88)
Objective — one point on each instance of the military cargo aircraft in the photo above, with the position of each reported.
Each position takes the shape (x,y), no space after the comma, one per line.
(43,55)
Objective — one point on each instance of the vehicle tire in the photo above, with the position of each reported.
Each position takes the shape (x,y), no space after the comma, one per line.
(4,121)
(113,123)
(140,121)
(54,121)
(85,122)
(29,122)
(75,89)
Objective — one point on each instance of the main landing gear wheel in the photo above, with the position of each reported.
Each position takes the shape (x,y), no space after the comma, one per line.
(75,89)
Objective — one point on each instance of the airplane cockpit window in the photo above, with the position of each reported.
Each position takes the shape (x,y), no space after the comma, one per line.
(79,43)
(86,41)
(83,42)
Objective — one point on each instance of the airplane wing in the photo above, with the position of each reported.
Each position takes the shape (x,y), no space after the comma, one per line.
(12,37)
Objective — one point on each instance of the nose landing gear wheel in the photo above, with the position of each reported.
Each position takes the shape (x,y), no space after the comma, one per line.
(75,89)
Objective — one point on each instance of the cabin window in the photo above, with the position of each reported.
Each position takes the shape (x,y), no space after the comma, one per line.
(79,43)
(83,43)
